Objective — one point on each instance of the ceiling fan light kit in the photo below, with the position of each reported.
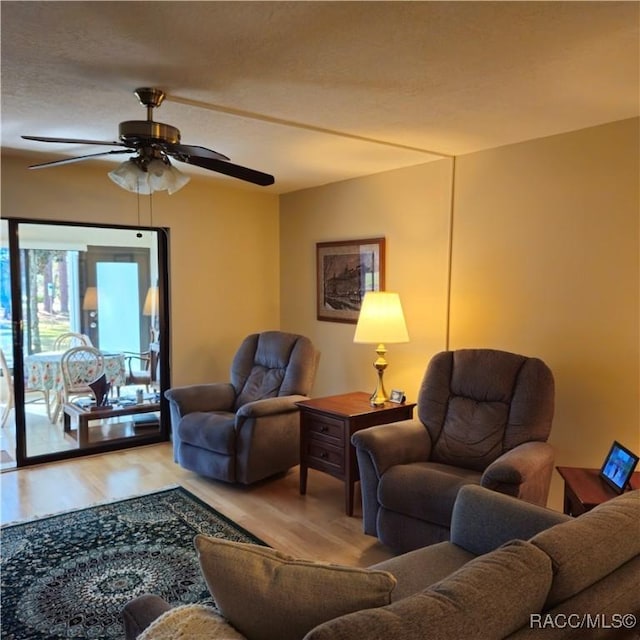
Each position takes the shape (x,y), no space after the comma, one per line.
(140,175)
(153,143)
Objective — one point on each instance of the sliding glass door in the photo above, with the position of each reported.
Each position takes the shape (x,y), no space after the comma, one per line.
(84,339)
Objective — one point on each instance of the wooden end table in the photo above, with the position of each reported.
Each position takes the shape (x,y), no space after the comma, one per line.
(584,489)
(326,427)
(79,417)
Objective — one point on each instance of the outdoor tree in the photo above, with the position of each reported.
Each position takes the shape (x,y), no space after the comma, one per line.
(41,287)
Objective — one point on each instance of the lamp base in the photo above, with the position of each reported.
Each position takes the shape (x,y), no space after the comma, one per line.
(379,396)
(376,401)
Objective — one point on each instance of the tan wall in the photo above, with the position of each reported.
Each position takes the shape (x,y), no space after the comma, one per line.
(544,262)
(410,208)
(224,259)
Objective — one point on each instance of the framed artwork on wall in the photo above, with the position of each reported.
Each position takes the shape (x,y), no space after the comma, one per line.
(346,270)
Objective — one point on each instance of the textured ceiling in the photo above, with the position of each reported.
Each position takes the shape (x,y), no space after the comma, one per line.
(315,92)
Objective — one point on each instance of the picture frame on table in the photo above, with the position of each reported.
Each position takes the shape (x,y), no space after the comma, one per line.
(346,270)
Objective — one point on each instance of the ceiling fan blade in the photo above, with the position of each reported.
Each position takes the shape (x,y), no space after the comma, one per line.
(74,140)
(54,163)
(233,170)
(178,150)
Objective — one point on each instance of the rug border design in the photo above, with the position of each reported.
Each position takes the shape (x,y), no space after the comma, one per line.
(228,520)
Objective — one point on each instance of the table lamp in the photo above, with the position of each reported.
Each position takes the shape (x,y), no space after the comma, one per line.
(150,308)
(90,304)
(381,320)
(90,301)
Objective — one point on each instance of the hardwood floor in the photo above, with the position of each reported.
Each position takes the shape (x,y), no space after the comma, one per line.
(313,526)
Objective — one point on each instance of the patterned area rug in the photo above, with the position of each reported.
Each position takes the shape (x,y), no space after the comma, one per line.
(69,575)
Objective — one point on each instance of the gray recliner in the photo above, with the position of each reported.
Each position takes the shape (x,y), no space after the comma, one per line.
(483,417)
(246,429)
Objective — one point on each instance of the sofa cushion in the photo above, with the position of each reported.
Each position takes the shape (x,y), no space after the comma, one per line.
(477,601)
(586,549)
(419,569)
(193,621)
(268,595)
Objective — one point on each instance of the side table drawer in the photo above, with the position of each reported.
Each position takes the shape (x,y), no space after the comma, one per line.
(325,457)
(327,429)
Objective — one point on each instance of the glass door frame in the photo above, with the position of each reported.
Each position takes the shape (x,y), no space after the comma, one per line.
(17,335)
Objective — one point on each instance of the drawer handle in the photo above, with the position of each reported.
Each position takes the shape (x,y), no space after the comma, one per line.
(324,455)
(324,429)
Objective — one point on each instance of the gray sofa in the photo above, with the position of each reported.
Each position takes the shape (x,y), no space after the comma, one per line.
(510,570)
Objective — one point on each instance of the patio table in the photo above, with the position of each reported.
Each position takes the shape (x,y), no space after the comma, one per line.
(44,371)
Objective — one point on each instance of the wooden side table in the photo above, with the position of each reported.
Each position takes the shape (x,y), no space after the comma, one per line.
(326,427)
(584,489)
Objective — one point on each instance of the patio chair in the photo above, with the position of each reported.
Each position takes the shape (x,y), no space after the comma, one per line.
(7,376)
(80,366)
(71,339)
(146,370)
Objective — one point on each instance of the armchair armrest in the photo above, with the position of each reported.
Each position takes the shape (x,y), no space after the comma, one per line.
(482,520)
(270,406)
(524,472)
(396,443)
(218,396)
(140,612)
(381,447)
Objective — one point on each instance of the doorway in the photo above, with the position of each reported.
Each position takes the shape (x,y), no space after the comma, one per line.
(101,288)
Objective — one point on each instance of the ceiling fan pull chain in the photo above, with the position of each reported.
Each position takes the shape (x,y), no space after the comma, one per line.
(139,234)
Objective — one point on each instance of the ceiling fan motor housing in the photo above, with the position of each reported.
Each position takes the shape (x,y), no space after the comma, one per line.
(140,131)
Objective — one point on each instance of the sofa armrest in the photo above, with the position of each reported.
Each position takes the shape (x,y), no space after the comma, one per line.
(396,443)
(218,396)
(482,519)
(524,472)
(140,612)
(270,406)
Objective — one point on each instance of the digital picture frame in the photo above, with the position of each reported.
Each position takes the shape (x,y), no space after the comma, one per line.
(618,467)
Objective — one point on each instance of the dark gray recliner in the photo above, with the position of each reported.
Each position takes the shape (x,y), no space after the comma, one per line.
(246,429)
(483,417)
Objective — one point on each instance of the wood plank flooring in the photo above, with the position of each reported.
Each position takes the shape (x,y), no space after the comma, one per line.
(313,526)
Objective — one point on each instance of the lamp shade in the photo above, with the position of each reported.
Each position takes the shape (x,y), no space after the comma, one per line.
(150,307)
(381,319)
(90,302)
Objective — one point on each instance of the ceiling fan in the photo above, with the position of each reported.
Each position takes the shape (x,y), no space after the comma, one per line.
(153,143)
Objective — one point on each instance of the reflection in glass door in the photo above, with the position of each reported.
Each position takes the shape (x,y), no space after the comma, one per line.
(85,363)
